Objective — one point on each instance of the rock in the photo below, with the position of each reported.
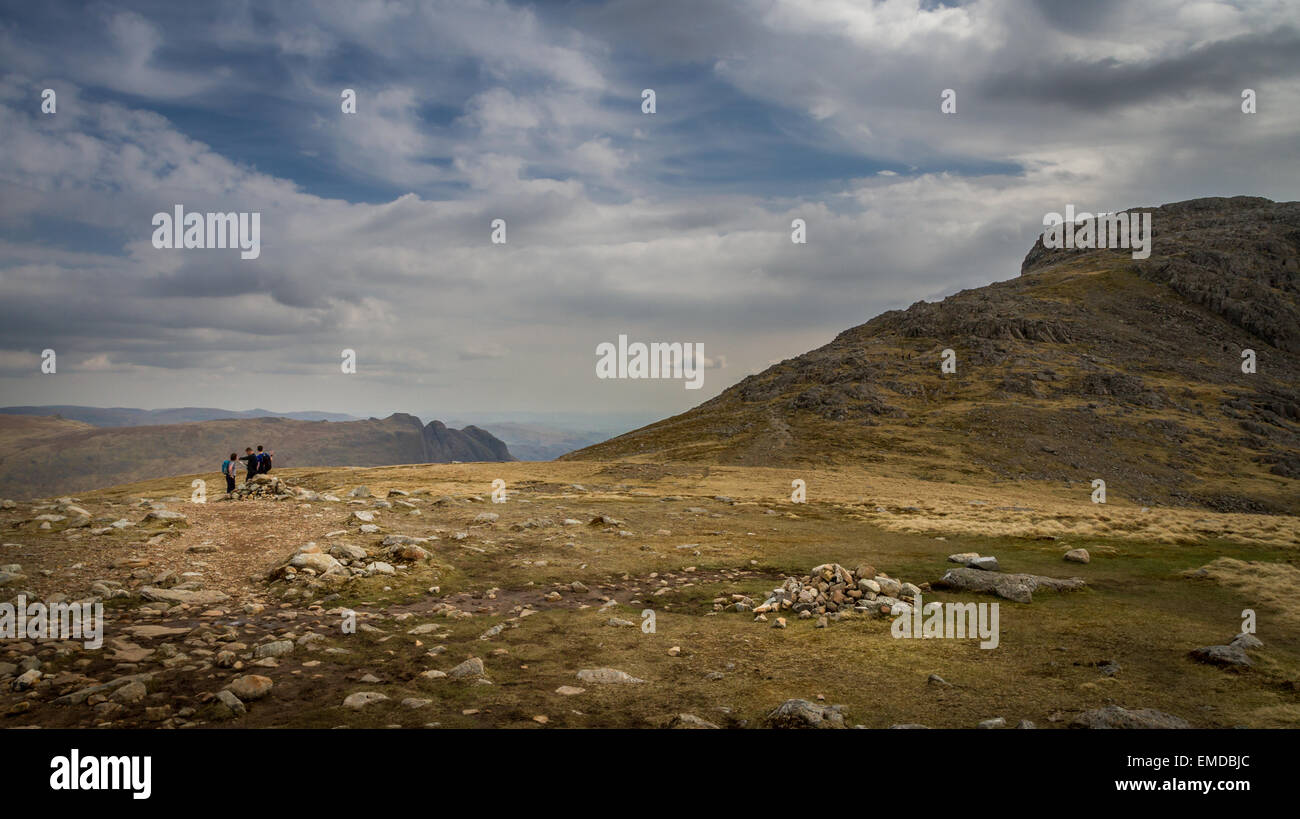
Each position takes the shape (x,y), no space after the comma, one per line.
(988,564)
(130,693)
(778,622)
(166,518)
(360,492)
(607,676)
(1025,725)
(279,648)
(415,702)
(361,699)
(380,567)
(996,722)
(362,516)
(689,721)
(232,703)
(409,552)
(201,598)
(251,687)
(935,679)
(317,562)
(1246,641)
(1113,716)
(1016,587)
(618,621)
(26,680)
(889,586)
(963,557)
(805,714)
(1233,656)
(470,669)
(569,690)
(1078,556)
(347,551)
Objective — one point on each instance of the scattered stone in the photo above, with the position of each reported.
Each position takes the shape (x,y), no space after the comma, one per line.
(804,714)
(1113,716)
(1016,587)
(689,721)
(361,699)
(1233,656)
(233,704)
(607,676)
(1078,556)
(470,669)
(251,687)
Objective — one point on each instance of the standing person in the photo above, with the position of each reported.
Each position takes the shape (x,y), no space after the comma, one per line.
(263,461)
(228,468)
(252,463)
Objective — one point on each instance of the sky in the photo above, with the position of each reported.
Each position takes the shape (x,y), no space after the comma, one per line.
(671,226)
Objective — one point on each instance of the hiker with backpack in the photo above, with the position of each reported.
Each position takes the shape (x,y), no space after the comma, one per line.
(263,461)
(228,468)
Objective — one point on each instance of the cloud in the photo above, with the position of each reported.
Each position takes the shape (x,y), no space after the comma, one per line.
(376,226)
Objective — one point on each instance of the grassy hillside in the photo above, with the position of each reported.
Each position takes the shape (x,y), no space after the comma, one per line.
(1087,366)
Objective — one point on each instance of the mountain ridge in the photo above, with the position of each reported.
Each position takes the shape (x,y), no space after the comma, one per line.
(1088,365)
(42,455)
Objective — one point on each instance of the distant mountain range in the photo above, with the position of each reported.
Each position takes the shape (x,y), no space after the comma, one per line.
(128,417)
(1089,365)
(536,437)
(46,455)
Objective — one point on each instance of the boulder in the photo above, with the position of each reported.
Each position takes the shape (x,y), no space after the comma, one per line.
(1113,716)
(804,714)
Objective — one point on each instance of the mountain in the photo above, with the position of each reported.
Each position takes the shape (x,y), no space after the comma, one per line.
(128,417)
(42,456)
(1089,364)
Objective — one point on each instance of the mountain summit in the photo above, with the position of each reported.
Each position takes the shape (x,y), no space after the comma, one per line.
(1088,365)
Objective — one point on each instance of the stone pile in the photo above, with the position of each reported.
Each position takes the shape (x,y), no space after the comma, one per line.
(832,590)
(265,486)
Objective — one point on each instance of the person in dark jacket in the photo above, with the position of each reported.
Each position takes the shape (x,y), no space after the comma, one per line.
(252,463)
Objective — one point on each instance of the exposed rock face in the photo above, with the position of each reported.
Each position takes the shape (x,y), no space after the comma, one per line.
(1057,373)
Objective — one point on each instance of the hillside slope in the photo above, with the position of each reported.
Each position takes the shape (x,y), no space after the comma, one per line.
(1088,365)
(47,456)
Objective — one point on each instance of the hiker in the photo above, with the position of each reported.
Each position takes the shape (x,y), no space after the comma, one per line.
(263,461)
(228,468)
(252,463)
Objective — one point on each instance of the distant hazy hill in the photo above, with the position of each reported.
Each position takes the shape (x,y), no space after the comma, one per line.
(127,417)
(537,442)
(1088,365)
(42,456)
